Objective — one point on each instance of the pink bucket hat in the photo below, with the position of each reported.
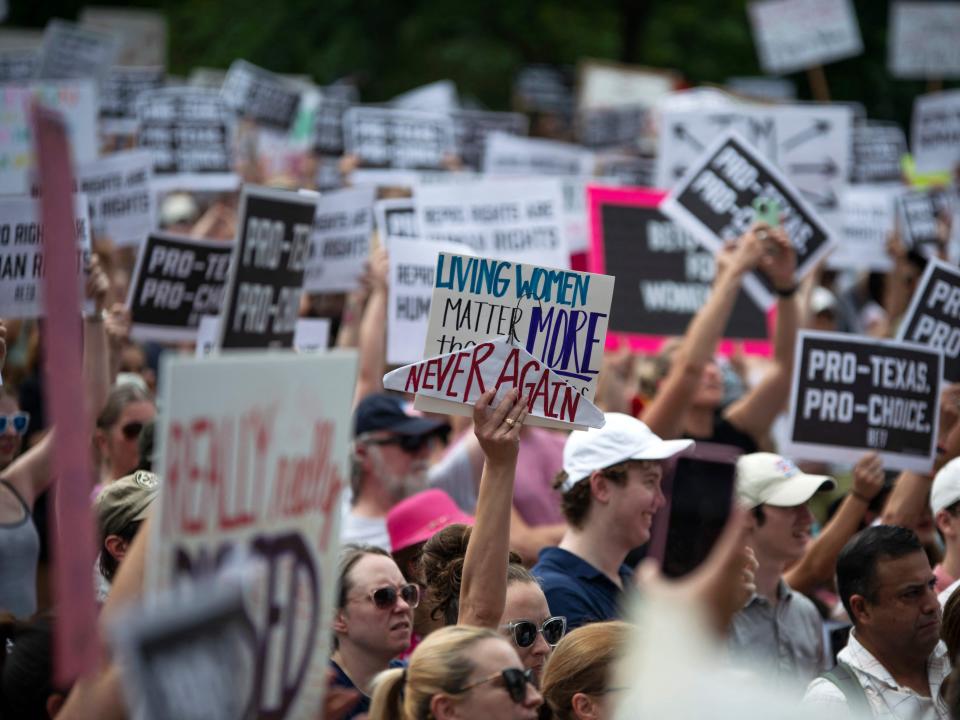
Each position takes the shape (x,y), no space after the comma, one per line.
(417,518)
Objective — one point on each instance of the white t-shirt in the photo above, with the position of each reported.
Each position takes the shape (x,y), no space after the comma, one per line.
(365,531)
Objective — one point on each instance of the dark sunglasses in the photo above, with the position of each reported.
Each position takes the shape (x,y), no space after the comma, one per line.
(408,443)
(19,421)
(131,431)
(514,680)
(386,597)
(525,631)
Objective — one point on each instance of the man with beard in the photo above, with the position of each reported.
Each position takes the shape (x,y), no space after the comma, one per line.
(390,459)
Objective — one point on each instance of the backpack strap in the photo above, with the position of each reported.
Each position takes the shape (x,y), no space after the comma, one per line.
(843,677)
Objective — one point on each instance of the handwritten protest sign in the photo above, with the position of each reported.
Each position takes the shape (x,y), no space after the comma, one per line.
(22,264)
(121,197)
(176,281)
(935,132)
(340,243)
(520,220)
(877,151)
(796,34)
(143,33)
(603,84)
(854,394)
(511,155)
(664,275)
(75,100)
(262,298)
(933,318)
(261,96)
(472,127)
(386,137)
(71,51)
(714,201)
(119,89)
(395,218)
(919,214)
(869,218)
(310,335)
(191,135)
(923,40)
(252,450)
(464,375)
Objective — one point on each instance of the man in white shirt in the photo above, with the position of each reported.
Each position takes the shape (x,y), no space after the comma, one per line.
(894,663)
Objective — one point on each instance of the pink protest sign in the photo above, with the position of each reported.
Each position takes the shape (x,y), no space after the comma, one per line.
(663,274)
(76,644)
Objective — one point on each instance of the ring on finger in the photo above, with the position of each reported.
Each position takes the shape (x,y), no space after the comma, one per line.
(509,421)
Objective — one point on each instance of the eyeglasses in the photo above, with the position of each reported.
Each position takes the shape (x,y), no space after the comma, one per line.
(131,431)
(412,444)
(19,421)
(386,597)
(514,680)
(525,631)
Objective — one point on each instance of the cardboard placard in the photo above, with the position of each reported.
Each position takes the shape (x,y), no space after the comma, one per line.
(328,125)
(869,218)
(664,274)
(191,135)
(260,95)
(512,155)
(119,189)
(919,213)
(935,132)
(923,40)
(395,218)
(19,65)
(340,242)
(176,281)
(521,220)
(611,127)
(852,395)
(143,33)
(76,100)
(71,51)
(22,264)
(794,35)
(603,84)
(472,127)
(310,335)
(714,201)
(878,149)
(262,299)
(933,318)
(119,89)
(252,450)
(386,137)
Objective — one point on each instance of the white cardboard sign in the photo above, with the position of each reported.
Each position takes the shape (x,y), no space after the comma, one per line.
(507,154)
(72,51)
(143,32)
(608,85)
(924,40)
(868,219)
(119,188)
(340,243)
(935,132)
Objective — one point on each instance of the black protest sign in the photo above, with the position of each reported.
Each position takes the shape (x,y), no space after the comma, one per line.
(611,127)
(853,395)
(266,277)
(385,137)
(933,318)
(261,96)
(919,213)
(471,128)
(176,281)
(715,198)
(118,93)
(328,125)
(877,150)
(544,88)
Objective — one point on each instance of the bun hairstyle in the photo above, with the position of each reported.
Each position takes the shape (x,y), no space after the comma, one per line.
(26,666)
(441,567)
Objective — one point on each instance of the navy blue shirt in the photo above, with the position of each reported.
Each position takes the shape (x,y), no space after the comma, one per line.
(577,589)
(340,679)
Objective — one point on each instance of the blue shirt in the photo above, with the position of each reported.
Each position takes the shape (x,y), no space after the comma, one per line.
(577,589)
(340,679)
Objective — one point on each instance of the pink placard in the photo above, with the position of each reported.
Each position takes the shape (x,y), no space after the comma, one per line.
(597,197)
(76,646)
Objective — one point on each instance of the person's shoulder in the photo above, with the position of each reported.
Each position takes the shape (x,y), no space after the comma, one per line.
(823,692)
(805,606)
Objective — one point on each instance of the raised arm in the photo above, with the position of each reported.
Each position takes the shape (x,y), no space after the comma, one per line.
(373,330)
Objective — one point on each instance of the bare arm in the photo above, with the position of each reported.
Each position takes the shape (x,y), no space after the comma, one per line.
(373,330)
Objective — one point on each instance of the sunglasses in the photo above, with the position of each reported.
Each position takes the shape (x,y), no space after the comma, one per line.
(514,680)
(408,443)
(386,597)
(19,421)
(525,631)
(131,431)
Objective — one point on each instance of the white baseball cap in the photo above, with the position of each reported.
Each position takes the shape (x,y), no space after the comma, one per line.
(768,479)
(621,438)
(946,486)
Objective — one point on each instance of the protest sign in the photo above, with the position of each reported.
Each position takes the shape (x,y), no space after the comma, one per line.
(206,78)
(19,65)
(933,318)
(935,132)
(176,281)
(328,125)
(869,218)
(190,133)
(262,298)
(575,225)
(472,127)
(261,96)
(520,220)
(439,96)
(22,264)
(714,201)
(413,264)
(852,395)
(611,127)
(142,33)
(763,88)
(793,35)
(75,100)
(309,335)
(877,152)
(616,168)
(511,155)
(540,87)
(71,51)
(340,242)
(119,90)
(395,218)
(465,375)
(663,274)
(603,84)
(923,40)
(252,450)
(119,190)
(386,137)
(919,215)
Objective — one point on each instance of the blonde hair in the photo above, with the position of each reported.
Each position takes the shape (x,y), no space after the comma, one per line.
(440,664)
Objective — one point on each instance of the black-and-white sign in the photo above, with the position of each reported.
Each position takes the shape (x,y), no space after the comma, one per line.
(191,134)
(715,199)
(935,132)
(261,96)
(924,39)
(511,155)
(395,217)
(471,128)
(933,318)
(854,394)
(878,148)
(619,127)
(121,197)
(19,65)
(869,212)
(544,88)
(340,244)
(328,125)
(385,137)
(118,92)
(177,280)
(266,276)
(71,51)
(919,213)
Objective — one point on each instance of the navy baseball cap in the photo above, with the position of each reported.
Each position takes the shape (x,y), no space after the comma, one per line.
(386,412)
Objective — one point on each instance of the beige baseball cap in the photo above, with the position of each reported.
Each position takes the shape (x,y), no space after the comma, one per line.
(769,479)
(125,500)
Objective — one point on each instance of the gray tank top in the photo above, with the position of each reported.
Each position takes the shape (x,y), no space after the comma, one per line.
(19,554)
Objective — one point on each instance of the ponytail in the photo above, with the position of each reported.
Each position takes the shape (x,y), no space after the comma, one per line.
(387,700)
